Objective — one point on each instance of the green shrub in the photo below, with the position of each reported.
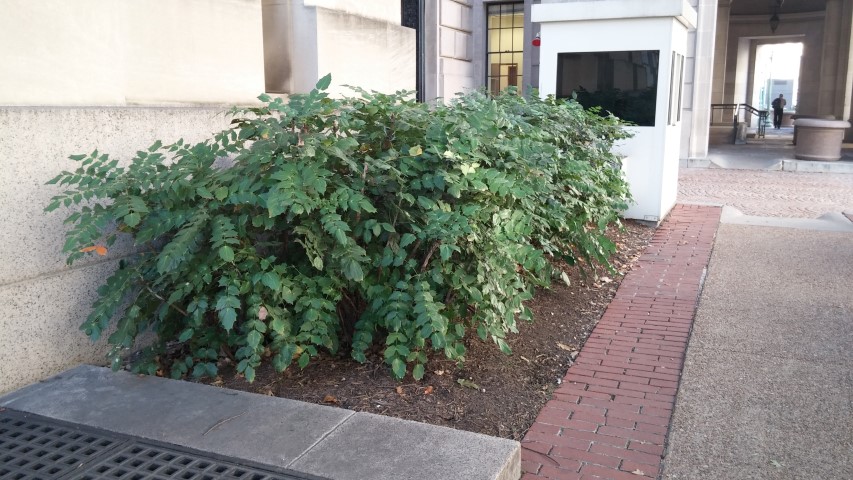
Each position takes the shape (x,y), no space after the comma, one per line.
(326,224)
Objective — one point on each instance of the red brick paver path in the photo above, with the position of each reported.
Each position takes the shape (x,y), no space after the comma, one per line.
(610,417)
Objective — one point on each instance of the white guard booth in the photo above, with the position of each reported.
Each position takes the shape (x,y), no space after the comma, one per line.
(626,56)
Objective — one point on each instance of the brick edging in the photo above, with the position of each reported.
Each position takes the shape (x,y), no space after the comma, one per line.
(610,417)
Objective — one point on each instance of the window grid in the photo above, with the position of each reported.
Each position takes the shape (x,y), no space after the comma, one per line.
(504,45)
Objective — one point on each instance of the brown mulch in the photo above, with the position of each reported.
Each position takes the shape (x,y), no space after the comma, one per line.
(491,393)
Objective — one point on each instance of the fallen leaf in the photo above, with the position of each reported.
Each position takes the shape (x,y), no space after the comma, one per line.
(268,392)
(399,390)
(99,249)
(428,390)
(565,347)
(468,384)
(776,464)
(262,313)
(330,399)
(439,372)
(566,279)
(574,354)
(606,279)
(638,472)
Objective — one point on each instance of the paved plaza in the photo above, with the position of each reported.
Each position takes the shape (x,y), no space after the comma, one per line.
(768,193)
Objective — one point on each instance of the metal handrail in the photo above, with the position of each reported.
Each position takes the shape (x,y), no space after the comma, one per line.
(747,109)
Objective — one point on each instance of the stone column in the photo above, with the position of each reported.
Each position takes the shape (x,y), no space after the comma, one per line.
(828,101)
(432,82)
(721,41)
(698,81)
(846,88)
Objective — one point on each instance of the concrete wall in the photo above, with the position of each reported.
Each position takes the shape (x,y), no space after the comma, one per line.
(122,52)
(115,75)
(368,53)
(360,43)
(42,300)
(451,47)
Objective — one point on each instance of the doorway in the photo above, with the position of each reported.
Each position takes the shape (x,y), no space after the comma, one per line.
(777,72)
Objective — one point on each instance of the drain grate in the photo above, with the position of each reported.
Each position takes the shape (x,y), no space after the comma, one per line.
(37,448)
(140,461)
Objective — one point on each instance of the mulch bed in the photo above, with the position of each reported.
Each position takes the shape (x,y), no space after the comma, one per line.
(491,393)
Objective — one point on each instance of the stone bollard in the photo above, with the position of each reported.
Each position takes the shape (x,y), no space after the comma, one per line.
(819,139)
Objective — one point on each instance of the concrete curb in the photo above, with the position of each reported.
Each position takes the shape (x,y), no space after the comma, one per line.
(814,166)
(769,164)
(309,439)
(829,222)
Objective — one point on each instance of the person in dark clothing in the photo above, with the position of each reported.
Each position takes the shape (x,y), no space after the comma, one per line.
(778,106)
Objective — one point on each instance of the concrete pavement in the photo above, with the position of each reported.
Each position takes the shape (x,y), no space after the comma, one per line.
(768,193)
(767,390)
(746,177)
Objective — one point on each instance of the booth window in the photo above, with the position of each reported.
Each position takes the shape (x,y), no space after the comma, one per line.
(622,83)
(505,45)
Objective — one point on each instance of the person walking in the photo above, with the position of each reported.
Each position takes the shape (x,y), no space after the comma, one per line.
(778,105)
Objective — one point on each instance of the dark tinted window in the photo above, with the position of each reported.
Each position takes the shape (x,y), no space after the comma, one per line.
(623,83)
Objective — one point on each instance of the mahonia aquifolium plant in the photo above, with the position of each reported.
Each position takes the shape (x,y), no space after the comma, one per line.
(317,223)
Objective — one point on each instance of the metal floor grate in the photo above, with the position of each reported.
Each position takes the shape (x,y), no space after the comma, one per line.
(38,448)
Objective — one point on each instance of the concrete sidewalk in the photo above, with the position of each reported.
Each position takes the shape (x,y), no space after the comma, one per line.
(767,389)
